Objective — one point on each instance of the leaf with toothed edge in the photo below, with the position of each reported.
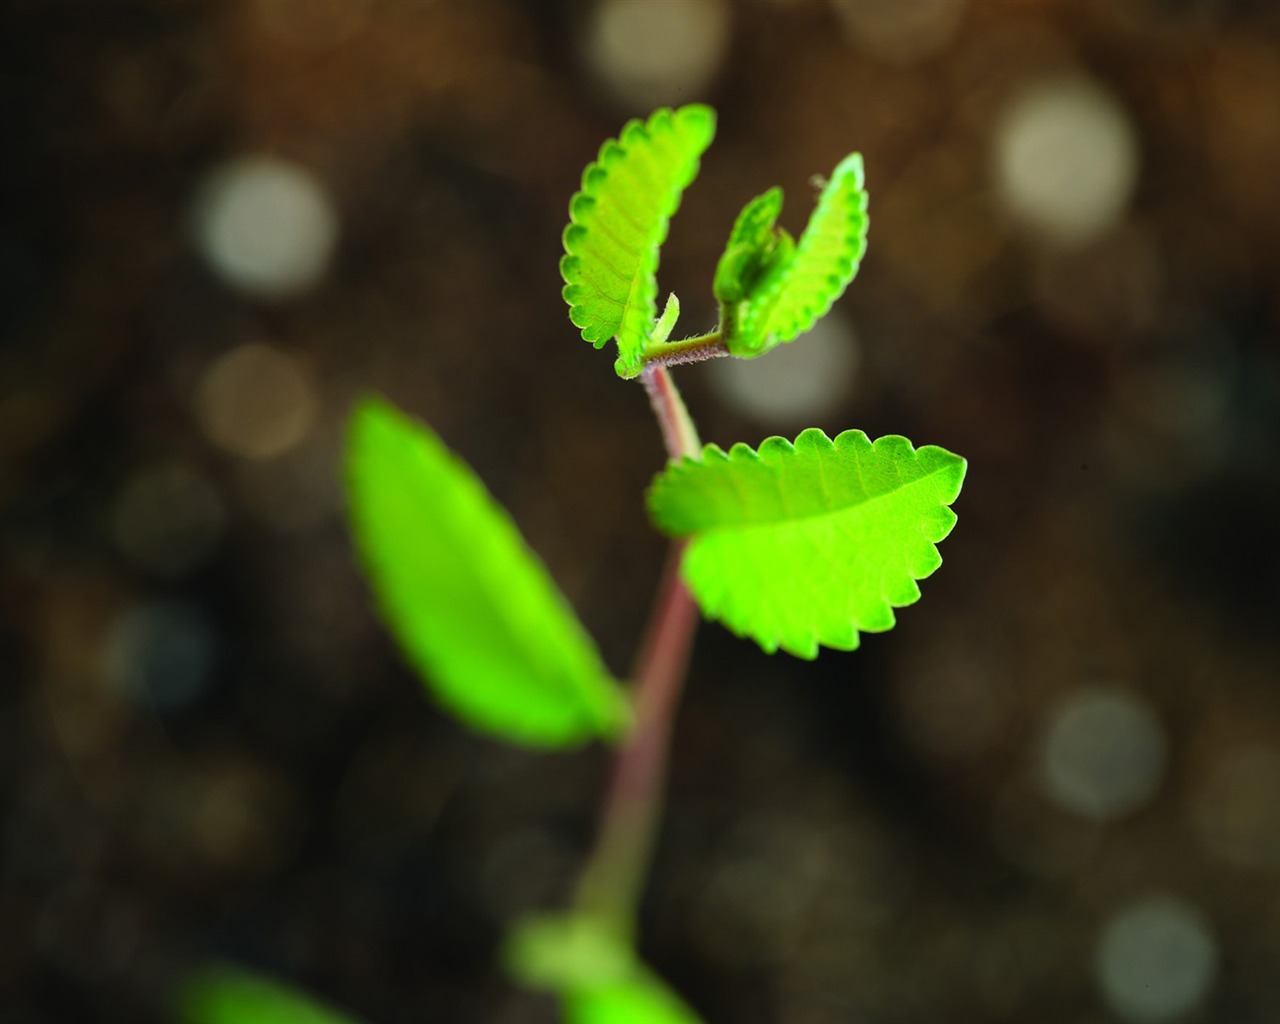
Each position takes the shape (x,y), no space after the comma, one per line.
(804,545)
(772,290)
(618,221)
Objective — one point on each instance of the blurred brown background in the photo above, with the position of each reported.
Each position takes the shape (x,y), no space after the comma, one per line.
(1051,794)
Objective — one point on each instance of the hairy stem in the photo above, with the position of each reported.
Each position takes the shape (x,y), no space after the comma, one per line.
(689,350)
(678,432)
(614,879)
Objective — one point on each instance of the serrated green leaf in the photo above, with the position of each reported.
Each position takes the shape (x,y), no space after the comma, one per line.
(784,293)
(806,544)
(618,221)
(474,609)
(230,995)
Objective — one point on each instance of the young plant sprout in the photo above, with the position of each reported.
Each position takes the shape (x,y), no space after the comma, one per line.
(797,544)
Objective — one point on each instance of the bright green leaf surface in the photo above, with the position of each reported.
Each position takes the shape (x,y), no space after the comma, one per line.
(747,253)
(473,608)
(797,546)
(785,292)
(228,995)
(619,220)
(642,999)
(593,970)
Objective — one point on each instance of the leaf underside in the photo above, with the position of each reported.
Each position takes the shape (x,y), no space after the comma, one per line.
(619,220)
(474,610)
(804,545)
(771,289)
(229,995)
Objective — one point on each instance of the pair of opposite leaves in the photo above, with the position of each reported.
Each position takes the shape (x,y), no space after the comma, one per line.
(769,288)
(795,545)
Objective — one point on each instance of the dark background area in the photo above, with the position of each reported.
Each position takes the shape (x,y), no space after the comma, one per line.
(1052,793)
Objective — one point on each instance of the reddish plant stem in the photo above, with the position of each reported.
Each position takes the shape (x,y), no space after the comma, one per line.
(678,432)
(614,879)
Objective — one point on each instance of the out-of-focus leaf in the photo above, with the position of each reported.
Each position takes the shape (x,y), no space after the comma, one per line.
(594,971)
(230,995)
(641,999)
(474,609)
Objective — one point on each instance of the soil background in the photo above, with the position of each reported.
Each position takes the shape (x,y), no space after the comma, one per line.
(209,748)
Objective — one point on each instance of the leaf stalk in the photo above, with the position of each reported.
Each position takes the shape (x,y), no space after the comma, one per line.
(689,350)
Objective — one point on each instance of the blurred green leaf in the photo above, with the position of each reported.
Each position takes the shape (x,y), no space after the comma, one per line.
(619,220)
(473,608)
(641,999)
(806,544)
(230,995)
(594,971)
(560,952)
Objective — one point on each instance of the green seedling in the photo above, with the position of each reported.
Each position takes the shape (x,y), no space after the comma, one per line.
(797,545)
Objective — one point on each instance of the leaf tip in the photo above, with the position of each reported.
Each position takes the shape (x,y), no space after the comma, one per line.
(851,166)
(700,117)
